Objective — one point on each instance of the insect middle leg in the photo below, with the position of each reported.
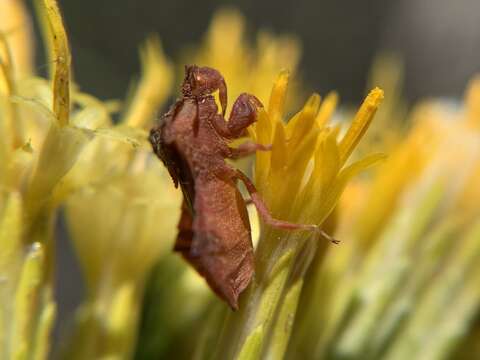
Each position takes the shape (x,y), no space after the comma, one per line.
(246,149)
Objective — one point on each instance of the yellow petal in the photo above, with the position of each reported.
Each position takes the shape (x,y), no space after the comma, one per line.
(120,316)
(327,109)
(130,135)
(327,161)
(11,122)
(279,148)
(276,105)
(300,156)
(263,136)
(26,298)
(94,113)
(11,228)
(19,166)
(297,163)
(360,165)
(44,328)
(360,123)
(154,87)
(298,127)
(59,153)
(330,198)
(15,23)
(59,57)
(472,100)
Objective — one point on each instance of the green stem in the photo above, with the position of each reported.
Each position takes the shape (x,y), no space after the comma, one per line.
(269,303)
(284,322)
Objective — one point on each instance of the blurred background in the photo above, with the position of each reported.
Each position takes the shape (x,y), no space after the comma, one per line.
(438,42)
(339,39)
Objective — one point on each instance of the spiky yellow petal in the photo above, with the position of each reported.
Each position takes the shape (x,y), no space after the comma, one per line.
(300,125)
(327,109)
(473,103)
(327,161)
(26,300)
(280,145)
(11,123)
(276,105)
(15,25)
(360,123)
(154,86)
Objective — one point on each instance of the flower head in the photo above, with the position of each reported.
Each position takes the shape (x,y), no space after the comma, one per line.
(15,25)
(413,242)
(310,148)
(54,154)
(301,180)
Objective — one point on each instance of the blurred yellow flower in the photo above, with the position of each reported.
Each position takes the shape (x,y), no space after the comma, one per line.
(409,268)
(246,68)
(15,25)
(118,201)
(28,175)
(121,211)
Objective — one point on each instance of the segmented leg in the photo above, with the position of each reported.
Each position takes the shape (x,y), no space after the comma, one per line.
(246,149)
(269,219)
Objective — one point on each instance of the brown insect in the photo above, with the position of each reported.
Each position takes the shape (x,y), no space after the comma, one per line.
(192,141)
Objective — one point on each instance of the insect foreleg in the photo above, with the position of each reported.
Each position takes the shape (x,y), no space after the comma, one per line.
(244,113)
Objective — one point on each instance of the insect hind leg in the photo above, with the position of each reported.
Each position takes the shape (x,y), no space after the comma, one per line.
(269,219)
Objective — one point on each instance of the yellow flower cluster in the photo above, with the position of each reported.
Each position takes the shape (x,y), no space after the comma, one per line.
(301,180)
(118,202)
(406,283)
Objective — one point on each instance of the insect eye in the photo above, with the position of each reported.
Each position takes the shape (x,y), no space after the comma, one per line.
(199,81)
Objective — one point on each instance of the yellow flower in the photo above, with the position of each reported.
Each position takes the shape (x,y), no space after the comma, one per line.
(27,309)
(300,179)
(118,202)
(306,146)
(16,27)
(121,209)
(409,267)
(155,85)
(119,227)
(472,103)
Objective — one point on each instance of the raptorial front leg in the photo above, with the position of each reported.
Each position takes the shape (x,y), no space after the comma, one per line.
(221,126)
(267,216)
(243,114)
(246,149)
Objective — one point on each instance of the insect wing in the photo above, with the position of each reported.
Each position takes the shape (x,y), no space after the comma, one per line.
(222,248)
